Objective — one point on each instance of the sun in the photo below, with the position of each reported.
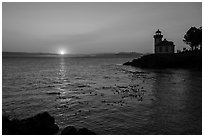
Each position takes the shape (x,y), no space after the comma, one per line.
(61,52)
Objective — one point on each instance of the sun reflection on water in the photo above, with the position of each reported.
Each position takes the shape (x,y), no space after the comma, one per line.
(62,73)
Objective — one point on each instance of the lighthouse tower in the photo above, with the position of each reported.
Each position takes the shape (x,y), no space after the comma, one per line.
(162,46)
(157,39)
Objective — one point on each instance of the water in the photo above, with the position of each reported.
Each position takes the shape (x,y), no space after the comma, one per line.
(103,95)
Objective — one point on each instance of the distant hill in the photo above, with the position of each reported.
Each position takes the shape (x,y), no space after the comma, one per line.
(116,55)
(25,54)
(97,55)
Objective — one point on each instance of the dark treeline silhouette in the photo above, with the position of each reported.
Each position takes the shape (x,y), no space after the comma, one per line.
(193,38)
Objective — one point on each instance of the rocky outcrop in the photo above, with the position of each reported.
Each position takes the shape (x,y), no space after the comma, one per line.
(71,130)
(176,60)
(85,131)
(40,124)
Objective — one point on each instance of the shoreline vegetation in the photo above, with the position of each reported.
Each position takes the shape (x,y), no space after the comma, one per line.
(183,60)
(40,124)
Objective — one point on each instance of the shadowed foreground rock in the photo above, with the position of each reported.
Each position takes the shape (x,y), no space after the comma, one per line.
(40,124)
(85,131)
(71,130)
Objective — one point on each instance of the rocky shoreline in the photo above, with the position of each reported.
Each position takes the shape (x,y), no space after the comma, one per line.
(189,60)
(40,124)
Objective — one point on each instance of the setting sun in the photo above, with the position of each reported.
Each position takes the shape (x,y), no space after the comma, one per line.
(61,52)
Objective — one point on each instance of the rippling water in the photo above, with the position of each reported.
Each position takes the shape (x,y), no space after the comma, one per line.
(103,95)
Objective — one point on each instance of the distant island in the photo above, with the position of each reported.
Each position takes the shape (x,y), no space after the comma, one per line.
(116,55)
(96,55)
(26,54)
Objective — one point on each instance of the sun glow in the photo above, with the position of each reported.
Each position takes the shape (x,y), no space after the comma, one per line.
(61,52)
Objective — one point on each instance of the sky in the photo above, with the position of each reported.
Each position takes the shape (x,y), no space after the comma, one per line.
(86,28)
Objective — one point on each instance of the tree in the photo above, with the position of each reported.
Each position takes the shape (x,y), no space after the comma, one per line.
(193,38)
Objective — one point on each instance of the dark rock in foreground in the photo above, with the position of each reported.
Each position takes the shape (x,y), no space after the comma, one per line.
(177,60)
(85,131)
(71,130)
(40,124)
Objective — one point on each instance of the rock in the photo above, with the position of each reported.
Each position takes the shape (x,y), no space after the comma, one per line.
(189,60)
(85,131)
(9,127)
(70,130)
(41,124)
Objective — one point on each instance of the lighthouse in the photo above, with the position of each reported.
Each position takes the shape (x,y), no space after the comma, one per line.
(158,37)
(162,46)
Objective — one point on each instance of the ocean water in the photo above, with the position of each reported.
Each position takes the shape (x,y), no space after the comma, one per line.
(103,95)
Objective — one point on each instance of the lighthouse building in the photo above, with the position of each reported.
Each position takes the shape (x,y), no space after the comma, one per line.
(162,46)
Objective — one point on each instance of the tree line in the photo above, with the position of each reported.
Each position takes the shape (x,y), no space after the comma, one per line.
(193,38)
